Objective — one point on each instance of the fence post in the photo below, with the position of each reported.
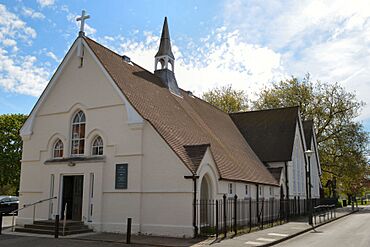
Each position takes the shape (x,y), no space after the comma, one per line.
(262,209)
(1,221)
(225,222)
(56,227)
(272,212)
(128,234)
(235,214)
(216,218)
(250,214)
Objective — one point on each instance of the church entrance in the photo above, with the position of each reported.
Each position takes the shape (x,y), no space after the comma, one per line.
(72,197)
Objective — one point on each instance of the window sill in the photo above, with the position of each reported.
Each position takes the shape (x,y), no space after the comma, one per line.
(76,159)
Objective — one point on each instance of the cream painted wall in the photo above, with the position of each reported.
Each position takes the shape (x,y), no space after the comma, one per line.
(158,197)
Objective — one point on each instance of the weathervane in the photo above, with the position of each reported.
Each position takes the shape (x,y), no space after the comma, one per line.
(82,18)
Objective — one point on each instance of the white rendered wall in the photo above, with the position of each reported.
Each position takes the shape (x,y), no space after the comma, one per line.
(158,198)
(296,168)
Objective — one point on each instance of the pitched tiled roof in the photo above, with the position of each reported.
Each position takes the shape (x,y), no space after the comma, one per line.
(308,131)
(269,132)
(185,121)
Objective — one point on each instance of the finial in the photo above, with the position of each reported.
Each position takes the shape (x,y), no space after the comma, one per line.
(82,18)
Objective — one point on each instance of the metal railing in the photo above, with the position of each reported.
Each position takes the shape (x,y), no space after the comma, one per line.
(231,214)
(325,212)
(27,206)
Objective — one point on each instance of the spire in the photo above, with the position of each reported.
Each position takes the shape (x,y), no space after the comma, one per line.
(166,60)
(165,45)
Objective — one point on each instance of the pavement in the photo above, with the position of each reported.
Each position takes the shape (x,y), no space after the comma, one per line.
(274,235)
(266,237)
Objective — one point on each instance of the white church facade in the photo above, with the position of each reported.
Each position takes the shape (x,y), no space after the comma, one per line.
(111,140)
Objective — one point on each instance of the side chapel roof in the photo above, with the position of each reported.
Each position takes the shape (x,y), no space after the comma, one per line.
(270,133)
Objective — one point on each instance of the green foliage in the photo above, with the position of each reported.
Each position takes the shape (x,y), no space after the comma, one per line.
(227,99)
(342,141)
(10,152)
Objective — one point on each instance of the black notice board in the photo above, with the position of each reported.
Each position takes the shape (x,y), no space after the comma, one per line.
(121,176)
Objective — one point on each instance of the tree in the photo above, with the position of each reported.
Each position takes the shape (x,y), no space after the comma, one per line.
(227,99)
(10,152)
(342,141)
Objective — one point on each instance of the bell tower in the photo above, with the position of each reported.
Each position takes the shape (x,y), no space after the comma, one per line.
(165,61)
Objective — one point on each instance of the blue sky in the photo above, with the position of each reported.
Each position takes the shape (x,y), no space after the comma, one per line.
(248,44)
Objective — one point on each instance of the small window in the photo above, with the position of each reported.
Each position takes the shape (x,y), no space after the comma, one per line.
(271,191)
(58,149)
(230,189)
(121,176)
(246,189)
(260,190)
(97,146)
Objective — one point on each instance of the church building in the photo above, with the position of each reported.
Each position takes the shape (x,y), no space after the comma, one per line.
(111,140)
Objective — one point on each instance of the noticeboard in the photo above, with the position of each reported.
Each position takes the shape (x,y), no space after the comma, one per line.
(121,176)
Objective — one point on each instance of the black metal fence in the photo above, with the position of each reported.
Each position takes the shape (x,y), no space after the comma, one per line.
(231,214)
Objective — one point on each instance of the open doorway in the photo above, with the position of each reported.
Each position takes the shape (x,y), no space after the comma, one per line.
(72,197)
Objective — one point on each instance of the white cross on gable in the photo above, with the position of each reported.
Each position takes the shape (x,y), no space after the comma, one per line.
(82,18)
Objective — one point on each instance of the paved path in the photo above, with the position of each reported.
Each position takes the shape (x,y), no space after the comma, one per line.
(23,241)
(271,235)
(352,230)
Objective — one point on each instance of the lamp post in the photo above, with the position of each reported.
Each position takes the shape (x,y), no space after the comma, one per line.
(308,184)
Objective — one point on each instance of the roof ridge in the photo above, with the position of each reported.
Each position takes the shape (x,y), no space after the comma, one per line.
(263,110)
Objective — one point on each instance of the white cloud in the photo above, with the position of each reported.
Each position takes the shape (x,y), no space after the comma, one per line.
(32,13)
(222,58)
(9,42)
(20,74)
(329,39)
(12,26)
(53,56)
(45,3)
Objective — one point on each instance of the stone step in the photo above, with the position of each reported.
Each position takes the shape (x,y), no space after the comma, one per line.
(52,222)
(51,227)
(51,232)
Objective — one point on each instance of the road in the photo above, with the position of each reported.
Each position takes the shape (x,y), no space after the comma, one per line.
(352,230)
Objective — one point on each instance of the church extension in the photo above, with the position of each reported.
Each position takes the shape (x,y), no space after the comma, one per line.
(112,140)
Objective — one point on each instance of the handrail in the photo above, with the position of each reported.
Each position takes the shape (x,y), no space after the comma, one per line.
(27,206)
(31,204)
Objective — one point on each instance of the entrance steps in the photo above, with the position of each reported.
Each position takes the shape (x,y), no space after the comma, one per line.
(48,227)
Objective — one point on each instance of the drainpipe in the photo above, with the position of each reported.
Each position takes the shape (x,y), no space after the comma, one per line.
(194,178)
(286,180)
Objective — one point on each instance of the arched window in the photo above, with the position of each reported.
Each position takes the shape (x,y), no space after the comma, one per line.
(97,146)
(58,149)
(78,134)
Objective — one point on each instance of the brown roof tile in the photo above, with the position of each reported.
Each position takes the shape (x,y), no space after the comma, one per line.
(185,121)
